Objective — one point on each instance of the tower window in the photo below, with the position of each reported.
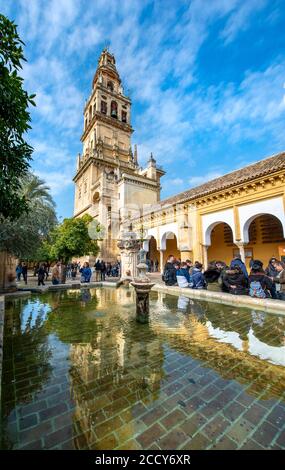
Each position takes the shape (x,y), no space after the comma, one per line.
(110,86)
(114,109)
(124,116)
(103,107)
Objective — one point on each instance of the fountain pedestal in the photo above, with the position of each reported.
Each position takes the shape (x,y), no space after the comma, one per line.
(142,300)
(129,246)
(143,286)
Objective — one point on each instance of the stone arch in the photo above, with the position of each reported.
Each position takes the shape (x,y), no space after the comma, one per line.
(264,237)
(209,229)
(95,197)
(221,246)
(246,226)
(169,245)
(153,254)
(114,109)
(110,85)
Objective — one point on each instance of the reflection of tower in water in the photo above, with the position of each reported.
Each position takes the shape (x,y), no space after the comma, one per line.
(120,367)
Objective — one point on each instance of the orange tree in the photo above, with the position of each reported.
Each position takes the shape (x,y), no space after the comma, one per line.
(71,239)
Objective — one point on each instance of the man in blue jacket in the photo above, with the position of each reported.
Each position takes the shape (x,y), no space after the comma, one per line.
(182,275)
(197,278)
(86,273)
(238,262)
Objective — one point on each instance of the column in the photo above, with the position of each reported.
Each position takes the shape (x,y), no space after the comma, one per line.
(161,263)
(241,250)
(205,256)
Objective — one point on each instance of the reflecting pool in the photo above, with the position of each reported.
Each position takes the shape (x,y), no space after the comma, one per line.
(80,373)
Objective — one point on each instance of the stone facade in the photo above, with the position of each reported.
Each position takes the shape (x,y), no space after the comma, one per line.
(109,184)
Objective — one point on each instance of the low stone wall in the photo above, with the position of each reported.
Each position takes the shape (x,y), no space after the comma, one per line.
(52,288)
(267,305)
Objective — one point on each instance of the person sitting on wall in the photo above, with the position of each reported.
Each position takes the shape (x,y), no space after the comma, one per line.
(222,268)
(197,279)
(169,273)
(237,261)
(279,280)
(182,275)
(86,272)
(212,273)
(260,285)
(235,281)
(189,266)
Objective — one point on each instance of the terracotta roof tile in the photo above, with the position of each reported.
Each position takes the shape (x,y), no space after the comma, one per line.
(250,172)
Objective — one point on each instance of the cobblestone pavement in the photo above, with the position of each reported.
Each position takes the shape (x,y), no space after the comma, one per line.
(80,373)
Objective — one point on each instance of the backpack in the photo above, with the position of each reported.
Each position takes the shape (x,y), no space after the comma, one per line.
(255,290)
(166,275)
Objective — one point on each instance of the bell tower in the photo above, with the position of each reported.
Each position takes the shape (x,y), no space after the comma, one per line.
(108,164)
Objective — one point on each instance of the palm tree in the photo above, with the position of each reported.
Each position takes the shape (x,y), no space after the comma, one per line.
(36,191)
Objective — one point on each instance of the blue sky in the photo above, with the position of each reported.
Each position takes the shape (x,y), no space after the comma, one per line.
(206,77)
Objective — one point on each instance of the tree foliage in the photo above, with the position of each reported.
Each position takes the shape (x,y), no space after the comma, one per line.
(15,152)
(26,235)
(72,238)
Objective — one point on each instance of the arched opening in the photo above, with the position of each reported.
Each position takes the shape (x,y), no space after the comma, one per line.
(114,109)
(110,86)
(221,247)
(95,204)
(265,237)
(153,254)
(169,245)
(103,107)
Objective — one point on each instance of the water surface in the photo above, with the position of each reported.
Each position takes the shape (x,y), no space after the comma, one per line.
(80,373)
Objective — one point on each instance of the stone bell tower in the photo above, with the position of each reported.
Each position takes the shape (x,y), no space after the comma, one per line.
(108,166)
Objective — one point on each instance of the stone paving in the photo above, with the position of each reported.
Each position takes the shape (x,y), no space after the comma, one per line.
(84,375)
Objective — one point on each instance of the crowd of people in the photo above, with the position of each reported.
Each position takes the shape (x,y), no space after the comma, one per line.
(42,271)
(234,279)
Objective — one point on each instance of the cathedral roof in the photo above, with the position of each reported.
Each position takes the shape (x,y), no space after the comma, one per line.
(256,170)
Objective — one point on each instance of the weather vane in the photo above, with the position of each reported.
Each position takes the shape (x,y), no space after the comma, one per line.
(107,45)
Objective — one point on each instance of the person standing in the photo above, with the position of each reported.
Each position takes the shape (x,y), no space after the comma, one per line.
(279,280)
(25,272)
(156,265)
(169,273)
(234,281)
(55,274)
(86,272)
(237,261)
(41,275)
(260,285)
(97,271)
(19,271)
(103,271)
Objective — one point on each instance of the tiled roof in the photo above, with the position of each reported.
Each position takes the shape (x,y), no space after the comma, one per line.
(248,173)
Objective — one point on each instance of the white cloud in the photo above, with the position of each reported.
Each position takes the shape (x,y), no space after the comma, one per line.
(239,18)
(197,180)
(157,57)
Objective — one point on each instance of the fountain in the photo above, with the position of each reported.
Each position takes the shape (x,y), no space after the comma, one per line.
(142,285)
(129,245)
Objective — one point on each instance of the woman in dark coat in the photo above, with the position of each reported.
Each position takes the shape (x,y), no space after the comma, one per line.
(41,275)
(169,273)
(235,281)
